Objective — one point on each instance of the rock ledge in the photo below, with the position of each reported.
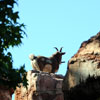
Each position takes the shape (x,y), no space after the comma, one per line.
(42,86)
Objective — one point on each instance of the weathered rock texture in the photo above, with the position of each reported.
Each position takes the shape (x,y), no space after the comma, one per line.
(85,63)
(5,93)
(42,86)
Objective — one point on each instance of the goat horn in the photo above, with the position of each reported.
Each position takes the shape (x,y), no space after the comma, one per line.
(61,49)
(56,48)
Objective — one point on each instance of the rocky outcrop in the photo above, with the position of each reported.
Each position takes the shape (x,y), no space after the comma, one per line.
(5,93)
(41,86)
(85,63)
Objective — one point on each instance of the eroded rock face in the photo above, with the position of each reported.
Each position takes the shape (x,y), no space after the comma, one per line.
(42,86)
(84,63)
(5,93)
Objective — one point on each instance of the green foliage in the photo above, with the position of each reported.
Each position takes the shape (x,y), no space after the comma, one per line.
(11,34)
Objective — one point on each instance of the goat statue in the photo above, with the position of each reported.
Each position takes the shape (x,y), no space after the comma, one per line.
(50,65)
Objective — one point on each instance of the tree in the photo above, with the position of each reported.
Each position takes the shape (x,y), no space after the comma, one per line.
(11,34)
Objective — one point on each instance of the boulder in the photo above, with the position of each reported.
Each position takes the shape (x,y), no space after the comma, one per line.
(41,86)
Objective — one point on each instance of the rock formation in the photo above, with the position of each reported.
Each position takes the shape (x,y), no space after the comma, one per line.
(85,63)
(5,93)
(41,86)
